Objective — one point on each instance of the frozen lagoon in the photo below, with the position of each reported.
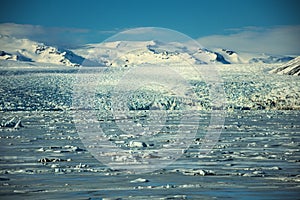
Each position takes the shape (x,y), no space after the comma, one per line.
(257,155)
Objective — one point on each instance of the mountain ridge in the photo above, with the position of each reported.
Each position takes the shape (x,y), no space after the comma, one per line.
(26,50)
(290,68)
(125,53)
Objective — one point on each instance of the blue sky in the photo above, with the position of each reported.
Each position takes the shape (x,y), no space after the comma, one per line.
(80,21)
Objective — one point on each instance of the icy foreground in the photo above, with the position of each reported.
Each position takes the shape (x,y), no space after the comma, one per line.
(42,156)
(246,87)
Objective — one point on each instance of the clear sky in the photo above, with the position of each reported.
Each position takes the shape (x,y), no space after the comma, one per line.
(196,18)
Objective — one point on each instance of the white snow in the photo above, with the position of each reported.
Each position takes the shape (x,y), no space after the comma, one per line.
(127,53)
(30,51)
(290,68)
(234,57)
(7,56)
(130,53)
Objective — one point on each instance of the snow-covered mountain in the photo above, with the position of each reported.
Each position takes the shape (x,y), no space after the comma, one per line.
(126,53)
(290,68)
(30,51)
(234,57)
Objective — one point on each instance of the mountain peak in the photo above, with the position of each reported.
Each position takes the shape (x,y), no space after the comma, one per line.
(31,51)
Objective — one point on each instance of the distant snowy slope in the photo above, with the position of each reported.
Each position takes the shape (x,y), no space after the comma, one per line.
(234,57)
(270,59)
(290,68)
(127,53)
(26,50)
